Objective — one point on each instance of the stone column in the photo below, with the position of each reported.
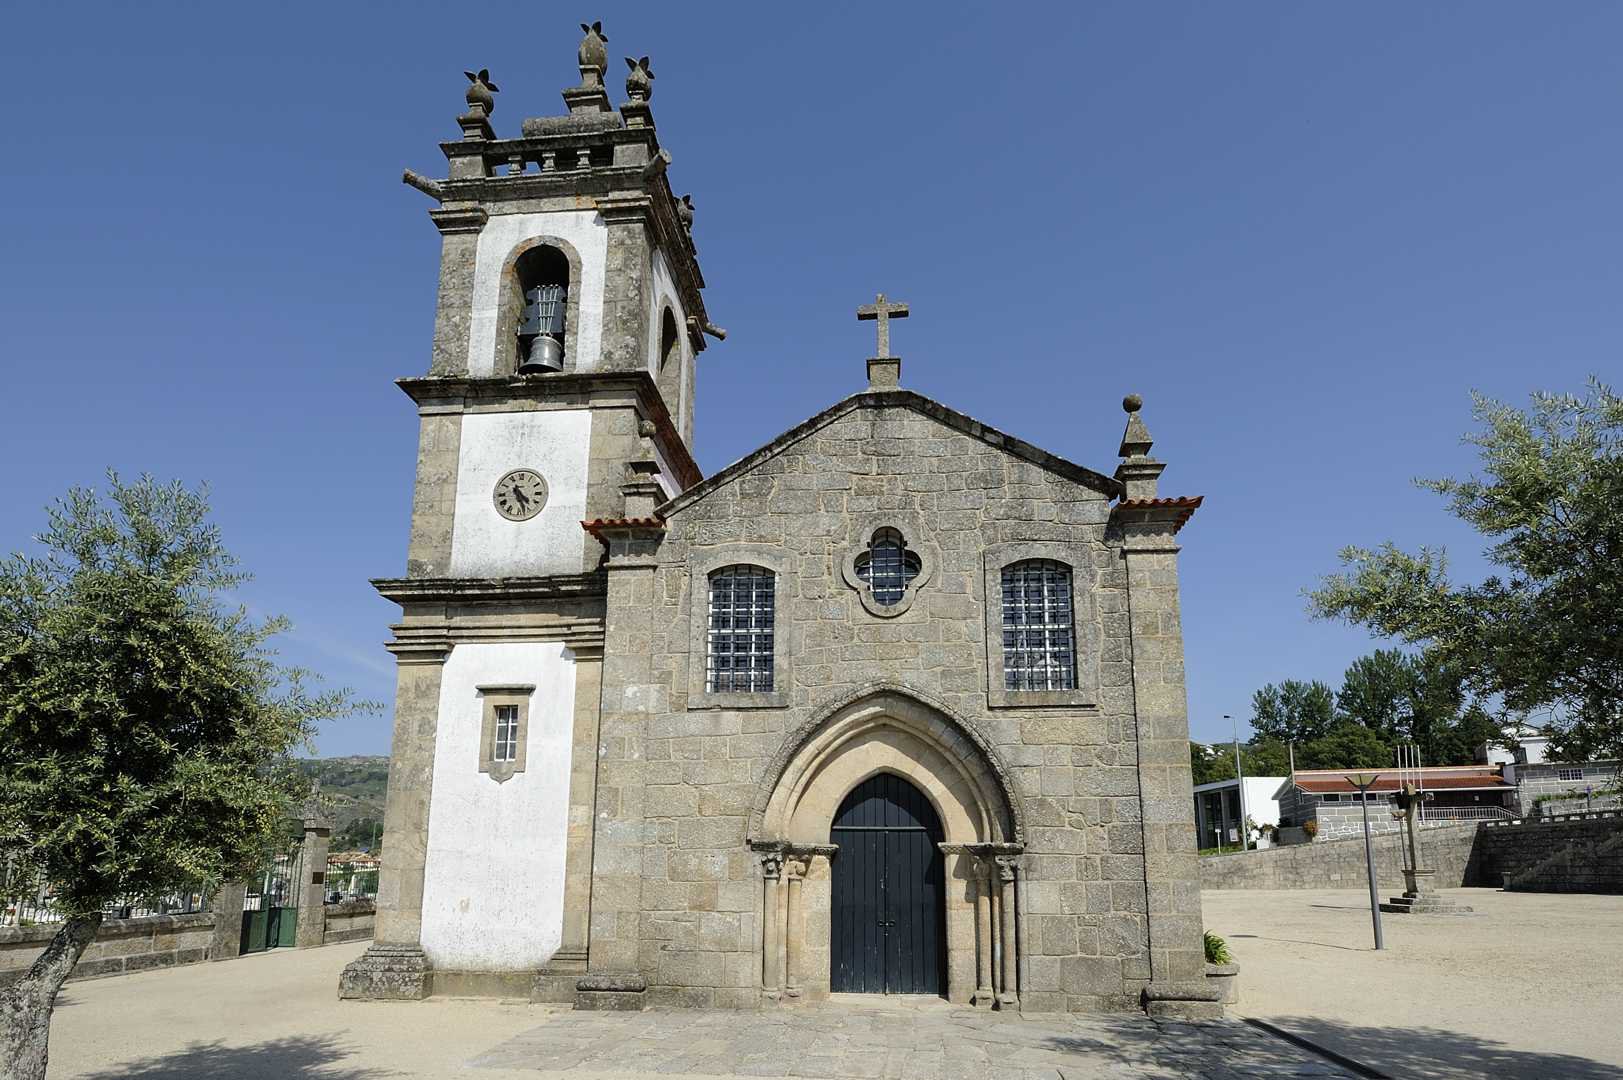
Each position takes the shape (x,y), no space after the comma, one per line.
(394,967)
(794,924)
(311,929)
(1008,996)
(226,943)
(984,995)
(771,924)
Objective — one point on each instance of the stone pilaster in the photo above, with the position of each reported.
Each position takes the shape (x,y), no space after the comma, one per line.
(1171,870)
(433,500)
(626,281)
(630,695)
(394,968)
(459,229)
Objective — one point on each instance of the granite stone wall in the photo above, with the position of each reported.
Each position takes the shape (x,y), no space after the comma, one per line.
(121,945)
(1339,864)
(1072,768)
(125,946)
(1580,853)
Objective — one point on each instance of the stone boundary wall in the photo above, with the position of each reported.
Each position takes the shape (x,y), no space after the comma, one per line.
(123,946)
(350,920)
(1339,864)
(1578,853)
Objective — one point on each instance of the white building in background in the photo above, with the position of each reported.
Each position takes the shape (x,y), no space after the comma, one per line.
(1218,814)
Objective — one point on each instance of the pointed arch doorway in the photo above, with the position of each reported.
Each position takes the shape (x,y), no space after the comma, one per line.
(887,918)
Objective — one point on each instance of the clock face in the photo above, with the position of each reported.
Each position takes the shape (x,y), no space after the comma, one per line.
(520,495)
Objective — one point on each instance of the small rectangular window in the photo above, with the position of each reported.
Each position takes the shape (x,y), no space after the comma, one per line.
(506,733)
(1039,634)
(1334,796)
(741,630)
(1569,774)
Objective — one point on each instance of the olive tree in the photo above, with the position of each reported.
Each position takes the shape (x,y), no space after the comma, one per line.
(1545,631)
(146,727)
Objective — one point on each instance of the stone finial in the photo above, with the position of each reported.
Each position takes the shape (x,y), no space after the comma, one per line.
(593,57)
(481,92)
(1135,441)
(640,82)
(1138,472)
(684,213)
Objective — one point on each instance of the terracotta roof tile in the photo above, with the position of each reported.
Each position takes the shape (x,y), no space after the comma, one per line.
(1184,503)
(597,525)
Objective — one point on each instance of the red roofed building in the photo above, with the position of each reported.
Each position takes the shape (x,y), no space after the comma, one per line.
(1456,793)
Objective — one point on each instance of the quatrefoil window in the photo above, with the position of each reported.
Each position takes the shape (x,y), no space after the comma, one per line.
(888,567)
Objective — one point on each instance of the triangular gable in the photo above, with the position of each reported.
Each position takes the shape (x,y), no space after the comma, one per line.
(898,399)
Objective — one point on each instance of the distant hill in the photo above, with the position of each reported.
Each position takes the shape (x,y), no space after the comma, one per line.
(354,789)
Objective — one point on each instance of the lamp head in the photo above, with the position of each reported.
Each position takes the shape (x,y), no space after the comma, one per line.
(1362,780)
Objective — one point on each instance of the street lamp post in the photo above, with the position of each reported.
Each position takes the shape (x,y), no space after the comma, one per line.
(1363,782)
(1239,772)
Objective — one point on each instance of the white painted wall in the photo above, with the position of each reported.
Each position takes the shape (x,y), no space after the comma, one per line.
(585,231)
(555,443)
(493,892)
(661,296)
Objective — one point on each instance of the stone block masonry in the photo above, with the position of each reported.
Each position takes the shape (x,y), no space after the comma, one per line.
(1578,853)
(1339,864)
(124,946)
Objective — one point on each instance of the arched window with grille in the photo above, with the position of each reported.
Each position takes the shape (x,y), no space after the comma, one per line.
(1039,626)
(888,567)
(738,639)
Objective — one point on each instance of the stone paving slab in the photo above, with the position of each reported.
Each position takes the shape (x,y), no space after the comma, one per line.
(897,1042)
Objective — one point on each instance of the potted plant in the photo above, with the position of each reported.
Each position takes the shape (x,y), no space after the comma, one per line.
(1222,973)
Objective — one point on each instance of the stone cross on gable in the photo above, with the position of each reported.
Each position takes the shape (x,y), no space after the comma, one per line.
(882,311)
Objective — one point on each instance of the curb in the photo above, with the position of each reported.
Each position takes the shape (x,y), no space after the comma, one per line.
(1351,1064)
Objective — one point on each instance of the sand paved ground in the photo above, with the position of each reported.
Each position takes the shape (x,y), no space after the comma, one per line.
(1531,986)
(277,1017)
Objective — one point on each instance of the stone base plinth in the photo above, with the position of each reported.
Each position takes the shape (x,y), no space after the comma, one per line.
(617,993)
(1423,903)
(387,973)
(1183,1000)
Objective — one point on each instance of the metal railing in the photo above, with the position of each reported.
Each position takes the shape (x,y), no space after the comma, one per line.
(1465,813)
(38,904)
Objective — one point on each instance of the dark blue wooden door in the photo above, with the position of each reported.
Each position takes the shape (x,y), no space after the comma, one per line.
(888,934)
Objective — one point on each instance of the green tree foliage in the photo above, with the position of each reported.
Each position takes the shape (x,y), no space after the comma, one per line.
(145,727)
(1215,761)
(1405,698)
(1345,746)
(1546,633)
(1293,711)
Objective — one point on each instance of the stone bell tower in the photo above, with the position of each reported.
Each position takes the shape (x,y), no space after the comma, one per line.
(560,391)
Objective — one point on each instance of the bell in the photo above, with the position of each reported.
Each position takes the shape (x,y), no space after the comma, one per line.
(546,354)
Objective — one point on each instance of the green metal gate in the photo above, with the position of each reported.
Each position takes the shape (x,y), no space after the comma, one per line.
(270,907)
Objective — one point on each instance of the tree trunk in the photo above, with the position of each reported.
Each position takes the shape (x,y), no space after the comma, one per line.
(25,1006)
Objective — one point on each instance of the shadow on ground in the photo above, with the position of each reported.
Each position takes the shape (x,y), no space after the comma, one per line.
(1432,1054)
(301,1057)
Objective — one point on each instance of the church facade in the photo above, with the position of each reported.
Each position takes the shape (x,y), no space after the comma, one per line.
(894,704)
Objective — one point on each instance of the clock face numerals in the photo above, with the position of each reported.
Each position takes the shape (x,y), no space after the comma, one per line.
(520,495)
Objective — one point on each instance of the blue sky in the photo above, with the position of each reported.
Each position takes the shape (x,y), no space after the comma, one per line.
(1302,232)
